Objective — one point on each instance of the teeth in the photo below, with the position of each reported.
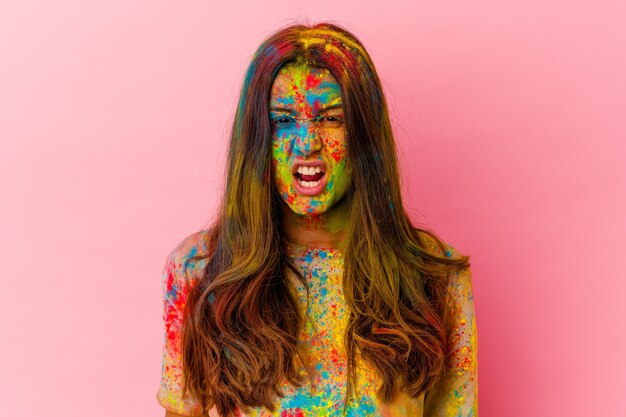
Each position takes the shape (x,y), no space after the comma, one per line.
(309,170)
(308,184)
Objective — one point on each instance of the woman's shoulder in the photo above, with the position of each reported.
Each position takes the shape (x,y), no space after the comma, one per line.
(187,258)
(432,245)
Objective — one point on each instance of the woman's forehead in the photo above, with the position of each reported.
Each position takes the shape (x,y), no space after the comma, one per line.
(294,79)
(300,84)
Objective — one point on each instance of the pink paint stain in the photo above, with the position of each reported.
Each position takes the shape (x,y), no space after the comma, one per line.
(312,81)
(292,412)
(176,299)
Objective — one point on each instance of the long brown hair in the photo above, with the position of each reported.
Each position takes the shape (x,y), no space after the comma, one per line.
(242,319)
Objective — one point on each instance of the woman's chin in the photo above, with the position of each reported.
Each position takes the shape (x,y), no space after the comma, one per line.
(308,209)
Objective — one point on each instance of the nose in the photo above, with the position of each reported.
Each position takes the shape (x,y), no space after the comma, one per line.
(307,140)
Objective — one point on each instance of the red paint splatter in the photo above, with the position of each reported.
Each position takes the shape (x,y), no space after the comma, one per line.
(317,106)
(169,281)
(174,306)
(292,412)
(312,81)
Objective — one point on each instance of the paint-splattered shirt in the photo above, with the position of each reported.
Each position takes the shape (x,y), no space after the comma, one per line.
(456,395)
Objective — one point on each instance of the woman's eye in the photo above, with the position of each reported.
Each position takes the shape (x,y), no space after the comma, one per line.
(281,121)
(332,121)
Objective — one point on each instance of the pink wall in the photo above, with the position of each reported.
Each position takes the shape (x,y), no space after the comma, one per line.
(113,123)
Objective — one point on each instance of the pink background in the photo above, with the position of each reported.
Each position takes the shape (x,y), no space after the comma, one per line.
(113,122)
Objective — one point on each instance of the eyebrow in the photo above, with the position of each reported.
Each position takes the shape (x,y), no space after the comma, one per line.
(324,109)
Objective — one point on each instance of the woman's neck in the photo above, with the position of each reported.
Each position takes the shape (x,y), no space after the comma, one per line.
(324,230)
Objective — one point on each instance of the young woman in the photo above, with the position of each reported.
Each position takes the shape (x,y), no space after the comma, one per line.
(313,294)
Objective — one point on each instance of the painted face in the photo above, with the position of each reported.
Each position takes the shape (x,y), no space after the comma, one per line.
(309,154)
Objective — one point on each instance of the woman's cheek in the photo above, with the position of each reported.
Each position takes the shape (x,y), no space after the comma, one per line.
(280,163)
(341,172)
(281,177)
(336,146)
(342,175)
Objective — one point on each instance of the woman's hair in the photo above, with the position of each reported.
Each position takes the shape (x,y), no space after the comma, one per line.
(242,318)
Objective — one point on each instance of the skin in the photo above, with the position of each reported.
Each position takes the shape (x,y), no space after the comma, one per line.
(299,95)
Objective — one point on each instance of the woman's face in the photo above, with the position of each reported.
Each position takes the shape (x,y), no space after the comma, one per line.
(309,154)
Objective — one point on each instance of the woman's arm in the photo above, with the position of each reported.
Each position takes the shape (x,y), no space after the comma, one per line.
(176,283)
(456,395)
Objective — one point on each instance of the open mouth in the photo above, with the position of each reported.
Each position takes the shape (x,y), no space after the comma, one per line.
(309,176)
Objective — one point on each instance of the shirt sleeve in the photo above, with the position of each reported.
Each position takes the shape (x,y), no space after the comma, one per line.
(174,290)
(456,395)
